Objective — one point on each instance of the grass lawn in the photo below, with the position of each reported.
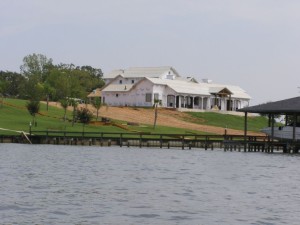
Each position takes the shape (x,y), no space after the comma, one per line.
(255,123)
(15,116)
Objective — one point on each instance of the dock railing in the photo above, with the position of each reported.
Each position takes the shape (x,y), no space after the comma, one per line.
(141,139)
(145,139)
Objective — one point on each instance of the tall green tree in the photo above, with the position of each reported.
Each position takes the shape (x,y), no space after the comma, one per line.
(67,83)
(36,66)
(34,91)
(94,72)
(59,81)
(14,83)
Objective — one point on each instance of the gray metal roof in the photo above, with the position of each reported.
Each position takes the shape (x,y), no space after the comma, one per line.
(182,86)
(291,105)
(141,72)
(187,87)
(215,90)
(118,87)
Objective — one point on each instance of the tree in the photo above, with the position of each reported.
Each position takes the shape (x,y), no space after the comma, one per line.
(64,103)
(84,116)
(59,81)
(156,103)
(33,108)
(94,72)
(48,91)
(68,83)
(14,83)
(34,91)
(3,87)
(73,103)
(36,66)
(97,105)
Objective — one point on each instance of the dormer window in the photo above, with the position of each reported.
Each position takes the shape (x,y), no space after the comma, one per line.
(132,81)
(120,81)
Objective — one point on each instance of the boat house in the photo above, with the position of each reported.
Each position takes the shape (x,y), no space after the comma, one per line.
(290,108)
(141,86)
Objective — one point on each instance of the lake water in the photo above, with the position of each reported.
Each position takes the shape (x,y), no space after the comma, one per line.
(46,184)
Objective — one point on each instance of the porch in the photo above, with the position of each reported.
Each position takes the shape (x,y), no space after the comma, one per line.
(213,102)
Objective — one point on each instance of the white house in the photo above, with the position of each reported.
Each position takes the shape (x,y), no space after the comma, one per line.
(140,86)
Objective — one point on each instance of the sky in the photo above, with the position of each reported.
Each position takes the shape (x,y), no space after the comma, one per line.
(254,44)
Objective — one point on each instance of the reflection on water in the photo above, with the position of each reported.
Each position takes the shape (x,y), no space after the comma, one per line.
(44,184)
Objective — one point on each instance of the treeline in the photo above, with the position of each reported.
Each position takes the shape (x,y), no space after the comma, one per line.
(40,79)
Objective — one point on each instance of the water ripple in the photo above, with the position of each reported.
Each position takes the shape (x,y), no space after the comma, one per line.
(44,184)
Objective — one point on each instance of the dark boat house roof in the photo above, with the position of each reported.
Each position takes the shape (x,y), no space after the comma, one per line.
(287,106)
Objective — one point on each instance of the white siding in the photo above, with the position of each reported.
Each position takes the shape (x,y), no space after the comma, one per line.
(160,90)
(135,97)
(126,80)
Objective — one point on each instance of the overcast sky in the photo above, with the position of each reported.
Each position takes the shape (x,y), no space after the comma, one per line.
(254,44)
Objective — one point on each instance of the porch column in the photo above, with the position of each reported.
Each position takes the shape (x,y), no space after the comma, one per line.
(272,132)
(193,98)
(245,131)
(174,101)
(179,101)
(272,128)
(202,103)
(294,126)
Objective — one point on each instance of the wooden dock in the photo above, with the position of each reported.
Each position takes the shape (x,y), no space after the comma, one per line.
(179,141)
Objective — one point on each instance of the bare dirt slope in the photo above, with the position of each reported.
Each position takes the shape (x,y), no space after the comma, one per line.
(166,117)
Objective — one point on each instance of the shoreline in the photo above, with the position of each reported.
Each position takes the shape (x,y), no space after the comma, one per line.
(166,141)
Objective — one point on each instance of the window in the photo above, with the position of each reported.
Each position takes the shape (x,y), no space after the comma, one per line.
(117,95)
(132,81)
(156,96)
(120,81)
(148,97)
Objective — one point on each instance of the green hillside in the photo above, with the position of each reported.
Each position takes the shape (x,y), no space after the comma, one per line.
(14,116)
(255,123)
